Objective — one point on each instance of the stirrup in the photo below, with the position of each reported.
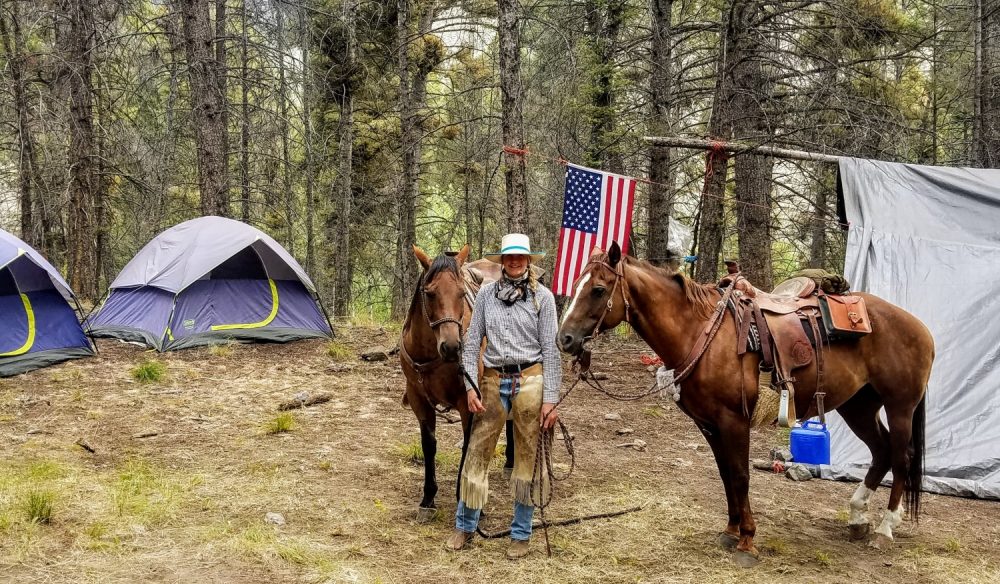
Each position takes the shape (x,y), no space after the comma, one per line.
(786,408)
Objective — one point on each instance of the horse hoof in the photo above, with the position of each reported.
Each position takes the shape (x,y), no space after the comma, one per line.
(727,541)
(859,531)
(745,559)
(426,514)
(881,542)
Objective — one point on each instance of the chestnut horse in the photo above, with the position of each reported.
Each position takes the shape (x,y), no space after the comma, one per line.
(430,350)
(887,368)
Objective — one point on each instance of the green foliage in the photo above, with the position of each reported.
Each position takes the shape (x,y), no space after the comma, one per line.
(149,371)
(37,506)
(283,422)
(339,352)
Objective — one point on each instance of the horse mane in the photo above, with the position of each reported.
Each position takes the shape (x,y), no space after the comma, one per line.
(441,263)
(700,296)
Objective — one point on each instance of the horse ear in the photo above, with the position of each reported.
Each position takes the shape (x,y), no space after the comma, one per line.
(596,252)
(614,254)
(463,255)
(422,257)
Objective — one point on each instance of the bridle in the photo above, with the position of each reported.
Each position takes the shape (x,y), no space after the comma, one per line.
(436,323)
(422,368)
(619,273)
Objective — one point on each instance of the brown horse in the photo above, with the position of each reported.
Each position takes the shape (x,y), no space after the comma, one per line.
(431,349)
(887,368)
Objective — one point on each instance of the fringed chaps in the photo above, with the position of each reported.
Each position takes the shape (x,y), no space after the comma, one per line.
(486,427)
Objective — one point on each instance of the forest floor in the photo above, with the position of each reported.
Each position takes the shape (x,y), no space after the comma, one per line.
(184,470)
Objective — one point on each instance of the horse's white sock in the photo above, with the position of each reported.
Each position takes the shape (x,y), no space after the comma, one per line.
(859,505)
(890,521)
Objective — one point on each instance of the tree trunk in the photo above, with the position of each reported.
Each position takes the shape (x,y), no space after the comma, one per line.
(987,138)
(244,117)
(342,239)
(512,118)
(711,221)
(286,175)
(83,180)
(412,95)
(208,107)
(27,166)
(817,245)
(604,21)
(307,138)
(751,90)
(661,89)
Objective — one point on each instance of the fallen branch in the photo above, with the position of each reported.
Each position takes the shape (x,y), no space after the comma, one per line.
(82,443)
(302,403)
(561,522)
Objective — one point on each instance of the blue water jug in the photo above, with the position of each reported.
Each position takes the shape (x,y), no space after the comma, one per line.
(810,444)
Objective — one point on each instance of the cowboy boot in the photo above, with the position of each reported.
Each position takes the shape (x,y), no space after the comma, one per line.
(518,549)
(458,540)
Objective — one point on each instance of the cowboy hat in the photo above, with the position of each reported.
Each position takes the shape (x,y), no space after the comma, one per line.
(514,244)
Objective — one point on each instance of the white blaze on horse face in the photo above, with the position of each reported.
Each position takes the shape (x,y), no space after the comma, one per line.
(890,521)
(859,505)
(579,289)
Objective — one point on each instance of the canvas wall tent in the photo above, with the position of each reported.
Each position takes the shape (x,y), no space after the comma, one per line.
(928,239)
(207,281)
(38,326)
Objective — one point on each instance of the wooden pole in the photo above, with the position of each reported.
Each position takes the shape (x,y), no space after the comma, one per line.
(740,148)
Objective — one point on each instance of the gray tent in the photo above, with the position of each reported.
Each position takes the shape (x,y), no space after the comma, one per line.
(928,239)
(211,280)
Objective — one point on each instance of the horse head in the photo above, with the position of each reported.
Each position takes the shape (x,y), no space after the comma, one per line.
(442,298)
(598,301)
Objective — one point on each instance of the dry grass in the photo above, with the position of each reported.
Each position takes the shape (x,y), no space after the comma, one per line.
(189,502)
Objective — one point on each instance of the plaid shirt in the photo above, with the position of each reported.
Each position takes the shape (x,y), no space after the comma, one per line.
(515,334)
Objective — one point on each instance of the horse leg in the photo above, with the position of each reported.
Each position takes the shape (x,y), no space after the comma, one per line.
(900,428)
(734,434)
(428,443)
(861,415)
(731,535)
(508,465)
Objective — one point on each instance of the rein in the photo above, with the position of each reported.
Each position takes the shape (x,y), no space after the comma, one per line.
(711,328)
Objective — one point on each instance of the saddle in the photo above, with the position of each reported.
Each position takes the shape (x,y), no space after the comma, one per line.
(781,319)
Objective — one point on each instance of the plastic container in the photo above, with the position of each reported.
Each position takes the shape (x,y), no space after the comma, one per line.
(810,444)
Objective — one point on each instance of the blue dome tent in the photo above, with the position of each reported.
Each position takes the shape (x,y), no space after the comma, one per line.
(39,325)
(210,280)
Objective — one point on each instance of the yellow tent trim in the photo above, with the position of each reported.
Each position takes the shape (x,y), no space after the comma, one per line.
(265,322)
(31,330)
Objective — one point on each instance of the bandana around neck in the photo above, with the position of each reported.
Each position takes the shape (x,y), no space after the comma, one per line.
(511,290)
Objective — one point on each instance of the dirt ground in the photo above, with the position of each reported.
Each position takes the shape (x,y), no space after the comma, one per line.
(184,470)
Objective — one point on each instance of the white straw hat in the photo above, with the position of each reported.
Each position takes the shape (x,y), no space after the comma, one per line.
(514,244)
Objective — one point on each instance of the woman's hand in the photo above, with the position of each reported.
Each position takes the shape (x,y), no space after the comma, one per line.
(475,406)
(549,416)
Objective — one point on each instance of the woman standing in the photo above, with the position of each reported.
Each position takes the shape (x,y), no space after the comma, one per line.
(521,379)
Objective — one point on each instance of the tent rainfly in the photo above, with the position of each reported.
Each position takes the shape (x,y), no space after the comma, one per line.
(210,280)
(39,326)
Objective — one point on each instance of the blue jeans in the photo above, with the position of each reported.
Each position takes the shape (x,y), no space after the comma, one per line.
(520,528)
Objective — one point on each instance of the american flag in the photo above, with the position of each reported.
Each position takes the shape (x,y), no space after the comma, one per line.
(597,210)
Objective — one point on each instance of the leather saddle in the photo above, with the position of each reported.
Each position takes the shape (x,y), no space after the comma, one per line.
(780,318)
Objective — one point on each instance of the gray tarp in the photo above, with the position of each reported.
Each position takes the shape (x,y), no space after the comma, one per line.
(928,239)
(167,262)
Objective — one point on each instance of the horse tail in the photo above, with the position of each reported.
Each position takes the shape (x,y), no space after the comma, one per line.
(915,470)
